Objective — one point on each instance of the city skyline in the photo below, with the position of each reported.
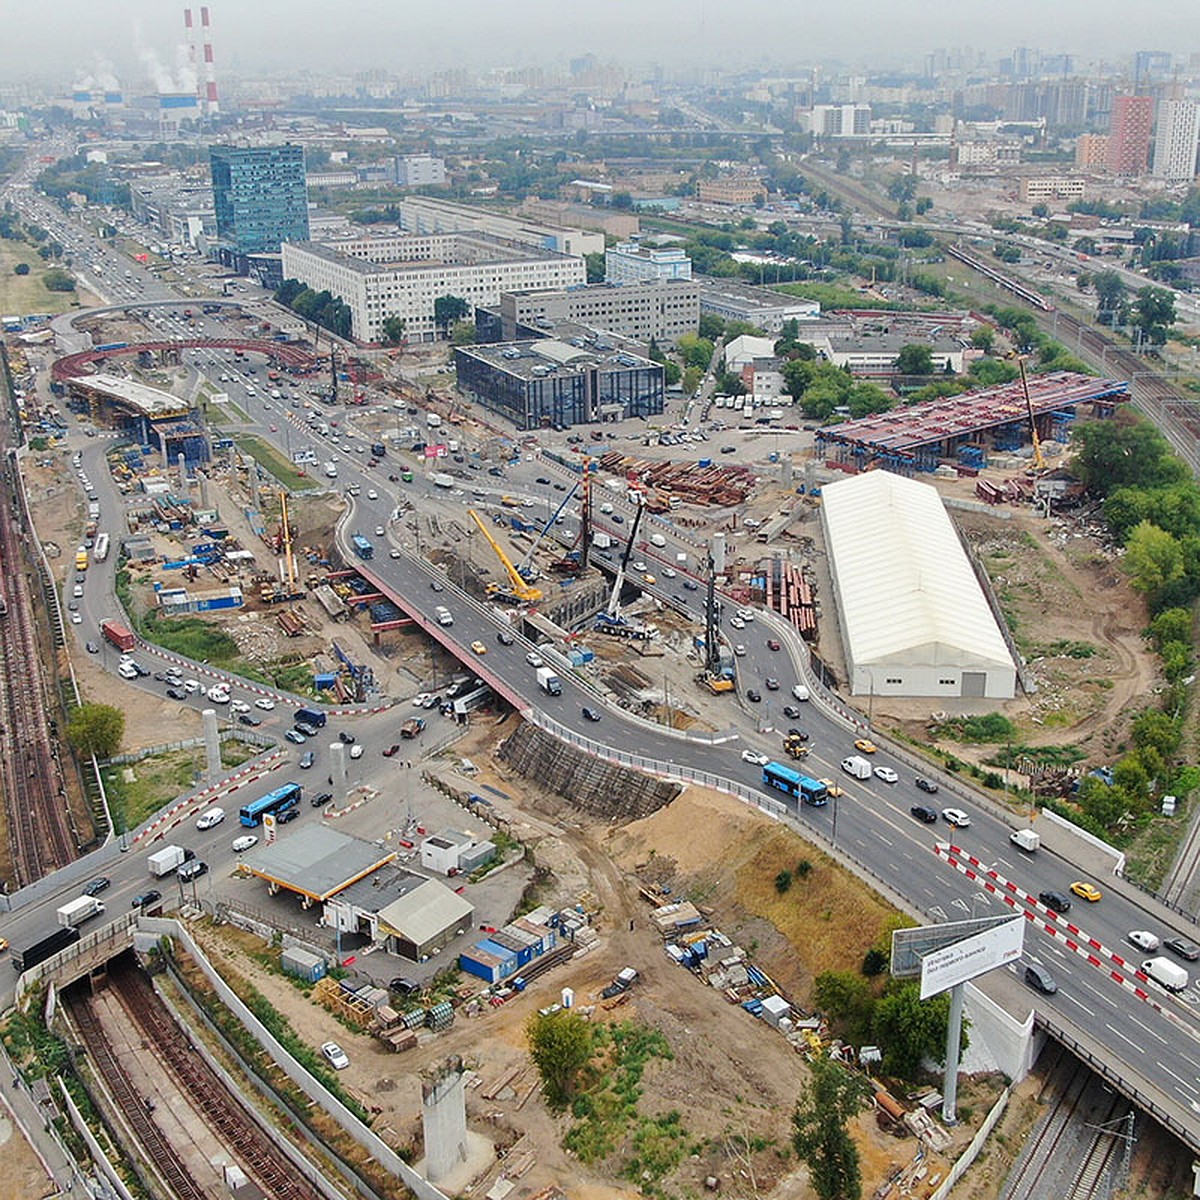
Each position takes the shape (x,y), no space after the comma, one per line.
(141,44)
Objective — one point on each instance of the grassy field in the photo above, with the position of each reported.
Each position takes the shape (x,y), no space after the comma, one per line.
(24,294)
(835,295)
(271,460)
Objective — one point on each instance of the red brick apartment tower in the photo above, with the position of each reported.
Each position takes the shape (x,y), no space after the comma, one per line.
(1129,135)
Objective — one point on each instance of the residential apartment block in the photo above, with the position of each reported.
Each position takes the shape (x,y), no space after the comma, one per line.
(631,262)
(663,311)
(1177,141)
(1129,135)
(402,276)
(1037,189)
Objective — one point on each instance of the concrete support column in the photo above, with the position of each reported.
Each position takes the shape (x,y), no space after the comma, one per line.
(212,745)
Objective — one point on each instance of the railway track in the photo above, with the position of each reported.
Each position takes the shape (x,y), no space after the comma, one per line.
(41,838)
(258,1154)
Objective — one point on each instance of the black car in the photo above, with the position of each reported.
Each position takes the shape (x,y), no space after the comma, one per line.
(321,798)
(92,648)
(288,814)
(1054,900)
(437,587)
(505,638)
(924,813)
(560,487)
(98,885)
(406,987)
(145,899)
(926,785)
(249,719)
(590,713)
(177,693)
(160,677)
(794,731)
(347,739)
(690,584)
(542,479)
(791,711)
(1185,949)
(1039,978)
(753,696)
(617,519)
(495,471)
(307,759)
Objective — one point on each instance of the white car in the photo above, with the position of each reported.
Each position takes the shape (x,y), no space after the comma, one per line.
(747,614)
(669,572)
(534,659)
(265,703)
(956,817)
(239,706)
(737,622)
(211,818)
(76,619)
(639,566)
(380,531)
(886,774)
(418,701)
(393,553)
(1144,940)
(191,685)
(245,842)
(739,650)
(337,1057)
(127,671)
(218,695)
(372,494)
(753,756)
(356,751)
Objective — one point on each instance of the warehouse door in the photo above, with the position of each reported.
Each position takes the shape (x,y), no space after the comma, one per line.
(974,683)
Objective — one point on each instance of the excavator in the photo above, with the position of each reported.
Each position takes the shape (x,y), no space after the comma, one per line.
(517,590)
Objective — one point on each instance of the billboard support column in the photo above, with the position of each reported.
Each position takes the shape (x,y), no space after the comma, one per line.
(953,1042)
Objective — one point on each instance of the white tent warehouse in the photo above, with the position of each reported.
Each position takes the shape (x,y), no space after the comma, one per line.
(914,620)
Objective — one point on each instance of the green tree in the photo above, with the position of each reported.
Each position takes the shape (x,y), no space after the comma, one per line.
(845,997)
(691,380)
(1123,451)
(58,280)
(696,351)
(914,359)
(819,1129)
(1157,731)
(1041,210)
(711,327)
(672,373)
(987,372)
(1153,314)
(393,331)
(560,1045)
(595,267)
(21,269)
(1111,306)
(984,338)
(911,1029)
(1153,560)
(96,729)
(1171,625)
(448,309)
(463,333)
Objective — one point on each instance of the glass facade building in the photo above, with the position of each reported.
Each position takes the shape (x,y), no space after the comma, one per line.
(260,196)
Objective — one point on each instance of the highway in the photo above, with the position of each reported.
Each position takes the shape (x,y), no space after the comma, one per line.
(870,824)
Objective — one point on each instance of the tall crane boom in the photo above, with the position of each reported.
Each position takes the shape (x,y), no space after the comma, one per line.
(518,588)
(614,601)
(525,563)
(1039,462)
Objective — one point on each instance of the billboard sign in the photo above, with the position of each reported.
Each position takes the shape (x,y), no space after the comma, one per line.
(942,969)
(435,450)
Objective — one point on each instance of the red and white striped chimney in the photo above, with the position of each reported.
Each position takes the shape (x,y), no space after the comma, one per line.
(212,105)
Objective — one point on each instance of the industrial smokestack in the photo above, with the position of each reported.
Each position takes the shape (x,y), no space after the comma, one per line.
(212,106)
(189,37)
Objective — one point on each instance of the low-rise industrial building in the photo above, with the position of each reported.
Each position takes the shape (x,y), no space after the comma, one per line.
(402,276)
(453,851)
(1035,189)
(730,189)
(913,617)
(733,301)
(660,310)
(552,383)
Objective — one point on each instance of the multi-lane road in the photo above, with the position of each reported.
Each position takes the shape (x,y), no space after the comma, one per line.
(1157,1047)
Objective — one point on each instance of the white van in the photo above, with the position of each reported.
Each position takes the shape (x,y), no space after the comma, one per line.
(657,539)
(800,692)
(443,615)
(207,820)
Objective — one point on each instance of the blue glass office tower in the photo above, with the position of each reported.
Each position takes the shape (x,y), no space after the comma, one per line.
(260,196)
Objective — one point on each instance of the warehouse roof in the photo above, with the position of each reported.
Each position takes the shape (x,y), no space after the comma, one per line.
(907,590)
(425,912)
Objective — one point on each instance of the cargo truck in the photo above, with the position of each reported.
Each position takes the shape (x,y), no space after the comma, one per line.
(857,766)
(117,635)
(82,908)
(310,716)
(441,479)
(331,470)
(168,859)
(1025,839)
(548,681)
(47,947)
(1166,973)
(601,541)
(413,727)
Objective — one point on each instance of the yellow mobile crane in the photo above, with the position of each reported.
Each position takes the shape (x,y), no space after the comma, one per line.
(1039,461)
(517,588)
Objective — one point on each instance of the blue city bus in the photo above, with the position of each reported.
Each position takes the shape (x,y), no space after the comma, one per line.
(278,801)
(793,783)
(362,547)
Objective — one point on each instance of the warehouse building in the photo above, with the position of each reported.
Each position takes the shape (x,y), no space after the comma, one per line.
(402,276)
(914,619)
(553,383)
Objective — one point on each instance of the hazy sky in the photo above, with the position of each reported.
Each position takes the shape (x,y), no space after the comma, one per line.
(137,39)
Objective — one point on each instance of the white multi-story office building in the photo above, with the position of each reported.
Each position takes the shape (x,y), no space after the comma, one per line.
(426,214)
(420,170)
(642,311)
(1177,141)
(402,276)
(631,262)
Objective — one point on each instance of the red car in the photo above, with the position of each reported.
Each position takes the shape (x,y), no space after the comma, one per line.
(390,750)
(772,644)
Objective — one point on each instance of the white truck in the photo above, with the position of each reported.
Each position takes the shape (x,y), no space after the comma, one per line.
(657,539)
(799,692)
(433,420)
(1025,839)
(1166,973)
(549,681)
(441,479)
(82,908)
(857,766)
(331,470)
(166,860)
(601,541)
